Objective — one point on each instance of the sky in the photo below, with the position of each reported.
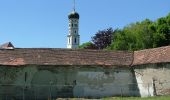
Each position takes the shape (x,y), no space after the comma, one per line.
(44,23)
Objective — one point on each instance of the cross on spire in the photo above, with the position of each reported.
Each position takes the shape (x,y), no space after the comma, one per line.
(74,5)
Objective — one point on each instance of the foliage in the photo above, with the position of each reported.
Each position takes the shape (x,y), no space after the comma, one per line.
(87,45)
(163,31)
(142,35)
(136,36)
(103,38)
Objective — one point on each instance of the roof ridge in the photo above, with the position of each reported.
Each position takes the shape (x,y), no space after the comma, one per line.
(153,48)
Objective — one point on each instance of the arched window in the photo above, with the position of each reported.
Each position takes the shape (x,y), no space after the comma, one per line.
(75,40)
(69,40)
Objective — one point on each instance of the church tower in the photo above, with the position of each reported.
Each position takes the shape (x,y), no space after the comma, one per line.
(73,38)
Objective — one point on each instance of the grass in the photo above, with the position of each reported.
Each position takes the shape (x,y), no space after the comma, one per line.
(125,98)
(138,98)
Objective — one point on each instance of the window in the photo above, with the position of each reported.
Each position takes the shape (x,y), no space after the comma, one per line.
(75,31)
(69,40)
(72,25)
(75,25)
(75,40)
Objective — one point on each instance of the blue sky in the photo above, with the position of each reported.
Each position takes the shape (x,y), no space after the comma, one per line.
(44,23)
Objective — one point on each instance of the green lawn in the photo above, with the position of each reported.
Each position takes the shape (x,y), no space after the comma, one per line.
(124,98)
(138,98)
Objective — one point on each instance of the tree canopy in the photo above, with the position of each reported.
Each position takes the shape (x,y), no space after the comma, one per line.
(100,40)
(103,39)
(135,36)
(87,45)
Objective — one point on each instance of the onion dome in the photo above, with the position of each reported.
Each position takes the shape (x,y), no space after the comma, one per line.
(73,15)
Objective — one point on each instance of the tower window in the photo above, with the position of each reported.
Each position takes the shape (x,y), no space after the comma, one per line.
(75,31)
(72,25)
(69,40)
(75,40)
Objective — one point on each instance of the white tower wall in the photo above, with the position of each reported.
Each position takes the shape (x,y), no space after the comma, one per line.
(73,38)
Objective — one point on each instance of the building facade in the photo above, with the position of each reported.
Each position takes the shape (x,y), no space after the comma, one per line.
(73,38)
(40,74)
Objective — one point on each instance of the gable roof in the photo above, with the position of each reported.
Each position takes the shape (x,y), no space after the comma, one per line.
(7,45)
(150,56)
(52,56)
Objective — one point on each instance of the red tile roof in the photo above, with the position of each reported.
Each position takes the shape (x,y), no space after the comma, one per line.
(54,56)
(150,56)
(51,56)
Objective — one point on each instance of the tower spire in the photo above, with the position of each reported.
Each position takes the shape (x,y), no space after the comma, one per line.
(73,38)
(74,5)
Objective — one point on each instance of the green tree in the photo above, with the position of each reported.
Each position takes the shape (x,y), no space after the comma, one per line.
(87,45)
(134,36)
(163,31)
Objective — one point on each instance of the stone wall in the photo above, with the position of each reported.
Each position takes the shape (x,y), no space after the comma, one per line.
(43,82)
(153,79)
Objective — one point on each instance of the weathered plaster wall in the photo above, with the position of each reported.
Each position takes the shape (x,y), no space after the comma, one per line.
(103,82)
(67,81)
(153,79)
